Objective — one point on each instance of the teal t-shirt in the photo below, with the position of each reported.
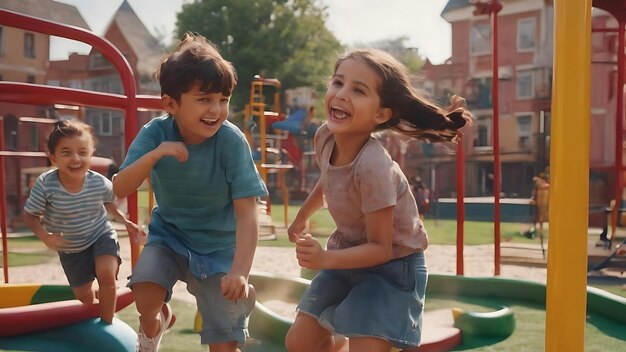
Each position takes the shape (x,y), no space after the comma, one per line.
(195,212)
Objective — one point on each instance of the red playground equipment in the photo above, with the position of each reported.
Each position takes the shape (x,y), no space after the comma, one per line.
(272,137)
(66,310)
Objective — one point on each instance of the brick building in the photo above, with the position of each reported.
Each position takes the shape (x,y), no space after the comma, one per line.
(24,57)
(525,42)
(94,72)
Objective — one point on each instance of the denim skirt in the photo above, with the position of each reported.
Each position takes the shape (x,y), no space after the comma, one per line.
(384,301)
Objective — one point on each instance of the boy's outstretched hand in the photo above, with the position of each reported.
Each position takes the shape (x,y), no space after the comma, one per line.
(309,252)
(234,286)
(136,233)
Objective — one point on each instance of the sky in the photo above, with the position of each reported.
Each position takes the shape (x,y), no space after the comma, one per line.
(352,21)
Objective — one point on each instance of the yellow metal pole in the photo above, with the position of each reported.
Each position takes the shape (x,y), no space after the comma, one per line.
(569,177)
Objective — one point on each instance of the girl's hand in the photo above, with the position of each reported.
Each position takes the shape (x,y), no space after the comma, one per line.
(310,253)
(137,235)
(234,286)
(296,229)
(175,149)
(55,241)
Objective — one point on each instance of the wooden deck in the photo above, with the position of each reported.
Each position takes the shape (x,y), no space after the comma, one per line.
(532,255)
(524,254)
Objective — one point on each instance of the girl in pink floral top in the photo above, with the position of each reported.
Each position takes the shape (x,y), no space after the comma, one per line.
(372,278)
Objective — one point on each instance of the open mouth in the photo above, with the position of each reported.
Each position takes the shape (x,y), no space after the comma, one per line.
(339,114)
(210,122)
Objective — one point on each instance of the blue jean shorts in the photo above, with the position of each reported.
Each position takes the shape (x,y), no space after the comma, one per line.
(223,320)
(80,268)
(384,301)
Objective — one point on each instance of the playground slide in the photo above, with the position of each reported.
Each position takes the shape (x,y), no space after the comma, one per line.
(47,317)
(293,151)
(293,122)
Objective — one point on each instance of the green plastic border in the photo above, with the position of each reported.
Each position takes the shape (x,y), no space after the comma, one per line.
(598,301)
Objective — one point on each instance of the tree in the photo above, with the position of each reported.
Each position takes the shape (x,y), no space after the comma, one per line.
(286,39)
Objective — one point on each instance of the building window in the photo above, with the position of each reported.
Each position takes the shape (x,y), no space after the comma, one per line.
(97,61)
(29,45)
(10,132)
(102,123)
(482,139)
(526,34)
(525,85)
(480,39)
(483,97)
(524,131)
(429,88)
(35,135)
(100,86)
(30,79)
(116,88)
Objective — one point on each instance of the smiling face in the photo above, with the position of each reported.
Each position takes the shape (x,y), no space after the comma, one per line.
(352,99)
(71,156)
(199,115)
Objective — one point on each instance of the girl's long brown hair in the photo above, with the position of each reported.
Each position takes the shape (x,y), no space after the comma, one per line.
(412,114)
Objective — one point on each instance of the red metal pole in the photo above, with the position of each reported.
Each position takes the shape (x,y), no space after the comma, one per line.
(619,127)
(118,60)
(607,30)
(495,8)
(3,205)
(460,207)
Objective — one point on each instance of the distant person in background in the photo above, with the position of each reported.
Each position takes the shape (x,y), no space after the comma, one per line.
(422,197)
(540,198)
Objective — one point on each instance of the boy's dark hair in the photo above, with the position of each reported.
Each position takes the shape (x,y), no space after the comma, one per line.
(412,114)
(195,61)
(69,129)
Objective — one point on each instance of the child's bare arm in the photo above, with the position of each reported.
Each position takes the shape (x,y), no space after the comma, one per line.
(377,250)
(114,211)
(235,283)
(135,233)
(130,178)
(313,202)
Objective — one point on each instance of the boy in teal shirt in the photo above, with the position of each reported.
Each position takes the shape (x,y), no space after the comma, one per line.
(204,229)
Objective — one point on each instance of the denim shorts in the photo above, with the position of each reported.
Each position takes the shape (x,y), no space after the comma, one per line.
(80,268)
(223,320)
(384,301)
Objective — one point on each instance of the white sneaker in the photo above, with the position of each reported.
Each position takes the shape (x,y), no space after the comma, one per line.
(146,344)
(151,344)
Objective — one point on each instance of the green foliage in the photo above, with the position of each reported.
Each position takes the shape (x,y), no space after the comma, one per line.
(439,231)
(274,38)
(28,250)
(24,259)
